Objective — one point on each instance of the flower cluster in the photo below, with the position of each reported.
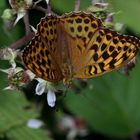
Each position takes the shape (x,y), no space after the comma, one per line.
(17,76)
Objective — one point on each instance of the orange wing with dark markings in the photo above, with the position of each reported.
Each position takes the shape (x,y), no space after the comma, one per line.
(77,45)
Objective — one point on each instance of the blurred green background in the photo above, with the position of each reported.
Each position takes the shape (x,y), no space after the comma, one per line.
(110,104)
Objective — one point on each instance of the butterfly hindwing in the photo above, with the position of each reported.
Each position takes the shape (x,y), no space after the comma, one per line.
(113,51)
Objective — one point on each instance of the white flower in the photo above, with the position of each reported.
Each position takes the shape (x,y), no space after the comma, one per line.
(51,98)
(20,14)
(33,29)
(47,1)
(12,70)
(28,2)
(9,88)
(15,77)
(10,55)
(34,123)
(20,8)
(41,87)
(30,74)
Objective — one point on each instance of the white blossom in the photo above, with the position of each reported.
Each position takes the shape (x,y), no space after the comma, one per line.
(43,86)
(47,1)
(20,14)
(40,88)
(30,74)
(34,123)
(10,55)
(51,98)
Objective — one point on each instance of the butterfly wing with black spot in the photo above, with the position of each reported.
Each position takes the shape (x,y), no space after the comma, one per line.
(41,56)
(110,52)
(79,28)
(95,50)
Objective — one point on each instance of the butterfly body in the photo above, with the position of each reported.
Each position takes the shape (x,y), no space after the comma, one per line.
(77,45)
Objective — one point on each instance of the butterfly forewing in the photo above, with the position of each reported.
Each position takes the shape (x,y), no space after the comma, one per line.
(80,25)
(79,29)
(37,57)
(51,32)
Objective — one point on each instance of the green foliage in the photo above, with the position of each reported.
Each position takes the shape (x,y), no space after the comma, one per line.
(127,13)
(7,36)
(15,112)
(11,104)
(25,133)
(68,6)
(2,6)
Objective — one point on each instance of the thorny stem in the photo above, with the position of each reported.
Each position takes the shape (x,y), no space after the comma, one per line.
(46,11)
(49,11)
(77,5)
(39,8)
(35,3)
(29,34)
(26,22)
(22,41)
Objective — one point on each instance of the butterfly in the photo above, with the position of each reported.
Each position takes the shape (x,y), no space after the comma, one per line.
(77,46)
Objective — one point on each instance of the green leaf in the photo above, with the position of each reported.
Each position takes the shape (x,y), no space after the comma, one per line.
(127,13)
(3,5)
(25,133)
(8,36)
(112,105)
(13,110)
(68,6)
(14,116)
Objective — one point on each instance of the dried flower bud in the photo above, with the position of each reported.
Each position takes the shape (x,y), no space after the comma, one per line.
(20,4)
(20,7)
(10,55)
(7,14)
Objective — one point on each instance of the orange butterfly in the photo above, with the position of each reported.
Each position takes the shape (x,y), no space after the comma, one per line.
(77,45)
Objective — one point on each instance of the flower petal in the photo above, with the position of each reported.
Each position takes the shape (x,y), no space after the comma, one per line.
(6,70)
(40,80)
(47,1)
(34,123)
(33,29)
(9,88)
(40,88)
(51,98)
(21,13)
(30,74)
